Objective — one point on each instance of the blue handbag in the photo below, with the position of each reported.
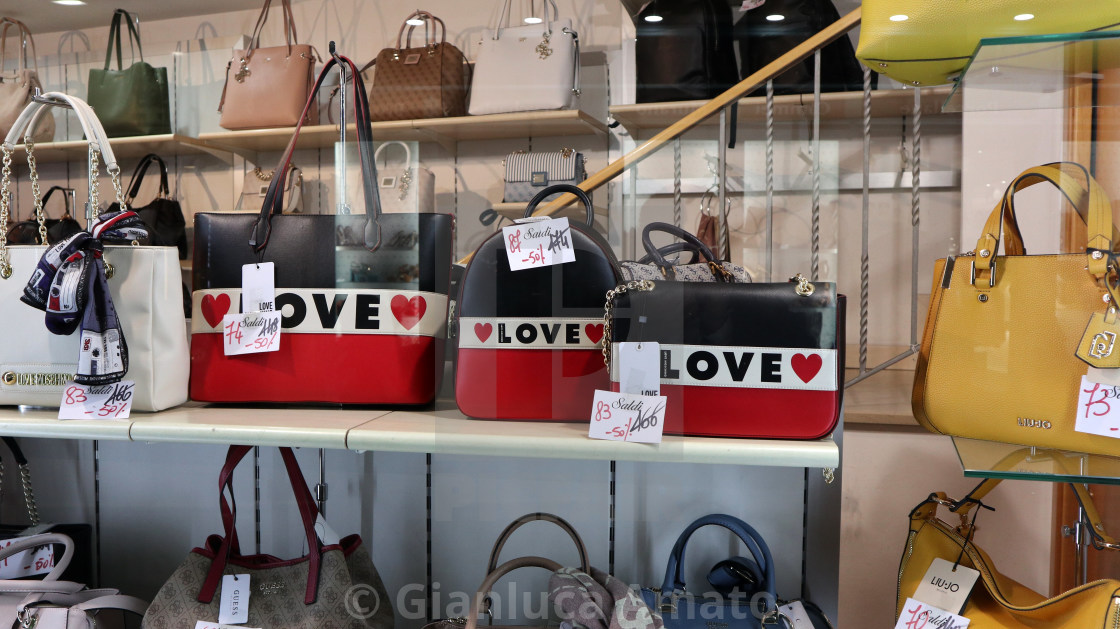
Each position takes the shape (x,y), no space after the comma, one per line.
(683,610)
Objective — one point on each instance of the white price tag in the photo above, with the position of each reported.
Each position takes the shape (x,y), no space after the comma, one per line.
(202,624)
(251,333)
(1098,409)
(28,563)
(258,287)
(234,609)
(639,368)
(916,615)
(946,587)
(627,417)
(325,533)
(795,611)
(102,401)
(537,244)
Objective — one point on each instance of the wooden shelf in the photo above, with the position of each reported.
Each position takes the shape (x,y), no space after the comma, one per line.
(445,131)
(834,106)
(442,430)
(135,146)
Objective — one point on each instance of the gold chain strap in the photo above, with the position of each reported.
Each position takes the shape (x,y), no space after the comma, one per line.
(5,184)
(40,216)
(608,311)
(263,177)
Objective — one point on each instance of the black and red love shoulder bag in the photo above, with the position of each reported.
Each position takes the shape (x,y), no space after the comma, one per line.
(738,359)
(529,339)
(363,297)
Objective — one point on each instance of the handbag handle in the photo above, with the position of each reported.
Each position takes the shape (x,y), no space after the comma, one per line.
(492,565)
(674,570)
(138,177)
(230,547)
(274,201)
(66,192)
(674,248)
(1089,200)
(25,39)
(719,272)
(506,14)
(563,187)
(429,37)
(43,539)
(115,37)
(407,152)
(479,604)
(289,27)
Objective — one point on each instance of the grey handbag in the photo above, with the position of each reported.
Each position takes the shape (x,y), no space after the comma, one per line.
(54,604)
(529,173)
(654,266)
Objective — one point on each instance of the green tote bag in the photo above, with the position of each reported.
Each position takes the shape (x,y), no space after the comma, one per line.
(130,101)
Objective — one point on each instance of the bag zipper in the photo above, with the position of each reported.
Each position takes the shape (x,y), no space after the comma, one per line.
(902,566)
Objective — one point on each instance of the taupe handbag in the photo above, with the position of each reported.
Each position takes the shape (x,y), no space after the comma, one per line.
(17,86)
(268,87)
(305,593)
(428,81)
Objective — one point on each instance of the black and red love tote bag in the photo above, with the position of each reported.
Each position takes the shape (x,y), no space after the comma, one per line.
(529,339)
(739,359)
(363,298)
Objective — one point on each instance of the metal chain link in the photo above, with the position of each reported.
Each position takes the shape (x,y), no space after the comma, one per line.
(116,176)
(769,180)
(94,185)
(5,205)
(815,243)
(608,311)
(29,494)
(677,182)
(915,212)
(865,258)
(29,146)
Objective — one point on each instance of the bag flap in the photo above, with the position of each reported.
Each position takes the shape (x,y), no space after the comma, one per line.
(560,165)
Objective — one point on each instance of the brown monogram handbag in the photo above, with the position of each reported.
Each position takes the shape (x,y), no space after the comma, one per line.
(429,81)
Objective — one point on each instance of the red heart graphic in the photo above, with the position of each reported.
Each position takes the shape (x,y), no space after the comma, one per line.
(594,331)
(806,366)
(214,308)
(482,331)
(408,311)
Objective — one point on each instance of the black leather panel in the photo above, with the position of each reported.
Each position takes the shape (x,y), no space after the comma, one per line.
(326,251)
(573,290)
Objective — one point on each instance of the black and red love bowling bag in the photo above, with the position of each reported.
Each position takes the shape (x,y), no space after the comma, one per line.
(529,339)
(364,298)
(739,359)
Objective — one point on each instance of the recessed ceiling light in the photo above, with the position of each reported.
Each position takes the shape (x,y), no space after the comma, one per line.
(775,18)
(532,19)
(899,18)
(654,18)
(1023,17)
(414,21)
(69,3)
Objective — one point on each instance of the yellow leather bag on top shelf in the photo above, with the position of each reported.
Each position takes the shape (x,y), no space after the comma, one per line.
(998,601)
(999,353)
(919,42)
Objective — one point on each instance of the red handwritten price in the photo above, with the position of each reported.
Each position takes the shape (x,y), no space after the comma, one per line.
(1098,410)
(251,333)
(106,401)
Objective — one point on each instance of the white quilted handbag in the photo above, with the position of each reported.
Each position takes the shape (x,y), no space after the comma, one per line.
(526,68)
(145,285)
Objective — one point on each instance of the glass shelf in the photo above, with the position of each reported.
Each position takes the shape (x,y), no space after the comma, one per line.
(988,459)
(1034,72)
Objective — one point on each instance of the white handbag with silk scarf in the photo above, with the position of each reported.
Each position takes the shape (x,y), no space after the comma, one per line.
(145,288)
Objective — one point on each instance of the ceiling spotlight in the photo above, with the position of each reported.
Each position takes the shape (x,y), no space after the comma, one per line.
(654,18)
(899,18)
(775,18)
(532,19)
(69,3)
(1023,17)
(415,21)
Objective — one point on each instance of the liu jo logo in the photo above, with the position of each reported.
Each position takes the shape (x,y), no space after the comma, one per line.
(1102,345)
(1026,422)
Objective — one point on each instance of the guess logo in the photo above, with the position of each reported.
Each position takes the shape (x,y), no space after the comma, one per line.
(746,367)
(356,311)
(271,587)
(530,333)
